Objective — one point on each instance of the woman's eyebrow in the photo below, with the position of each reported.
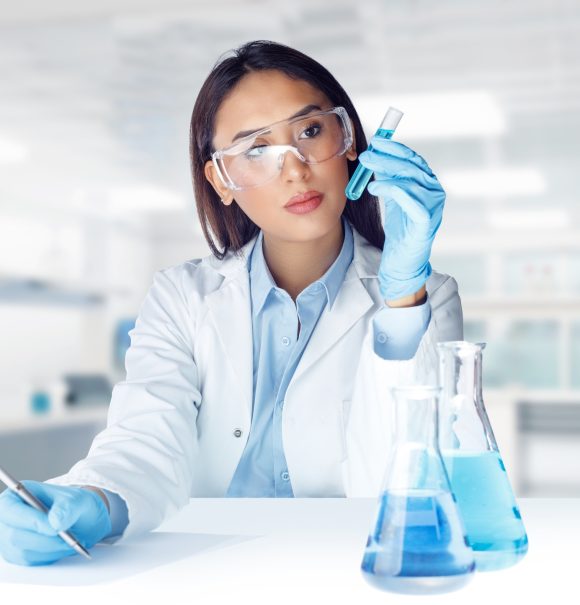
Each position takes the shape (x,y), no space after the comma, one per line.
(301,112)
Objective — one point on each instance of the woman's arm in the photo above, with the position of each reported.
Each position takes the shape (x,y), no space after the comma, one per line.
(146,453)
(418,298)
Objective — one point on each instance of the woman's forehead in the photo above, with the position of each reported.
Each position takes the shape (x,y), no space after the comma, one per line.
(260,99)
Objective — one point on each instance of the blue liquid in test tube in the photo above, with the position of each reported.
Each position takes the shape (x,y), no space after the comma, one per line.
(362,175)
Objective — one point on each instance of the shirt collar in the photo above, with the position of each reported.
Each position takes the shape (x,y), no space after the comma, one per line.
(262,282)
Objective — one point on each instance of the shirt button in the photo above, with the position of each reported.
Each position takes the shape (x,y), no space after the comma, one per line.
(238,433)
(382,337)
(285,341)
(285,475)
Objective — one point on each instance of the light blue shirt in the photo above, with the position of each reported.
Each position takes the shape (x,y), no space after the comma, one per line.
(277,349)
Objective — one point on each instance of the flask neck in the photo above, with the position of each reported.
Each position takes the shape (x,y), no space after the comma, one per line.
(460,373)
(416,421)
(463,420)
(415,463)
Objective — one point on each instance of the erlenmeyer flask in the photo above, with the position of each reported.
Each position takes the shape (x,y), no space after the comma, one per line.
(474,464)
(417,543)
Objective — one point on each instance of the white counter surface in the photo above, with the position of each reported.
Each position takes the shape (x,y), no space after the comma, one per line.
(288,551)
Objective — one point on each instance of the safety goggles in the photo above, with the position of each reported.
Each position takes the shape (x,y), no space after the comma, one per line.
(255,159)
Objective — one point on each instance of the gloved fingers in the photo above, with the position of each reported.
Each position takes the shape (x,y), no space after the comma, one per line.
(66,502)
(412,207)
(15,513)
(65,512)
(401,151)
(24,540)
(389,166)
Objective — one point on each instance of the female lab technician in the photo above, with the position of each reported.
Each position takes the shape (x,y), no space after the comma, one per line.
(263,369)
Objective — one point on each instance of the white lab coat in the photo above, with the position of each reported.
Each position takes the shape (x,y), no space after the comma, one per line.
(173,427)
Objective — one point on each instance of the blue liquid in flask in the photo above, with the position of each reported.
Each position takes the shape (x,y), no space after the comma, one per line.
(492,519)
(418,545)
(361,176)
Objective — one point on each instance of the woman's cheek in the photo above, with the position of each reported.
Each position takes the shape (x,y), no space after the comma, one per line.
(261,211)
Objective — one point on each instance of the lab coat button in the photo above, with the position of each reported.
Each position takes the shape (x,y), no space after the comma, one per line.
(238,433)
(382,337)
(285,341)
(285,475)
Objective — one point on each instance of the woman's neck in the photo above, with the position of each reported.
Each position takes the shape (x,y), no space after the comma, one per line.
(295,265)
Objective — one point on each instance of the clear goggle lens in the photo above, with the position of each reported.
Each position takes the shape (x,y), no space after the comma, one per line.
(256,159)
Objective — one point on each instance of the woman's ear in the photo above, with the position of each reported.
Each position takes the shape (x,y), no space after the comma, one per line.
(351,154)
(215,181)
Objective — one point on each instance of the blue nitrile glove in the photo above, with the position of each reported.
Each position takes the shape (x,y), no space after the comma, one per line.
(30,537)
(414,201)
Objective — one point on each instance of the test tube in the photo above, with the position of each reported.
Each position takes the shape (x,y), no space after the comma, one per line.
(362,175)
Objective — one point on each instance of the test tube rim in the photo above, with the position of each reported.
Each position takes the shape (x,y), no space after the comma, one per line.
(394,115)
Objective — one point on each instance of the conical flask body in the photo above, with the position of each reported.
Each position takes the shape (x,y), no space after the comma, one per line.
(417,542)
(476,470)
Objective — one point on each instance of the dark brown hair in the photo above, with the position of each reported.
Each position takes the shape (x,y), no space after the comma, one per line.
(230,227)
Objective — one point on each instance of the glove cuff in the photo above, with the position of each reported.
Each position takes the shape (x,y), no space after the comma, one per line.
(393,289)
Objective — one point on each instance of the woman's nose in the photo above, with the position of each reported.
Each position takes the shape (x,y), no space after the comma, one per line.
(292,167)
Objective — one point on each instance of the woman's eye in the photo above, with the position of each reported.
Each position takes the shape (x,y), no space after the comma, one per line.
(256,152)
(312,131)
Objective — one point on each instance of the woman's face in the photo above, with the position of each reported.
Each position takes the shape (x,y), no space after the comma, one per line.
(259,99)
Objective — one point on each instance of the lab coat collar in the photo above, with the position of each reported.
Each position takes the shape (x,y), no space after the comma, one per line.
(365,262)
(262,282)
(230,310)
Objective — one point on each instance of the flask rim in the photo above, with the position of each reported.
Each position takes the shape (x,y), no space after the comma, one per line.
(461,345)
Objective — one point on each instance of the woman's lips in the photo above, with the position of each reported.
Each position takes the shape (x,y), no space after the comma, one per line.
(307,206)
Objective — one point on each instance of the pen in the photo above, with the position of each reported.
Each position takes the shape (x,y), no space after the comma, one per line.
(29,498)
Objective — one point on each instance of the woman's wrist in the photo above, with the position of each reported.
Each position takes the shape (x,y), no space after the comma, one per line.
(100,493)
(413,300)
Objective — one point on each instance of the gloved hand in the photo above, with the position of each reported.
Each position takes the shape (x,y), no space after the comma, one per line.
(414,202)
(30,537)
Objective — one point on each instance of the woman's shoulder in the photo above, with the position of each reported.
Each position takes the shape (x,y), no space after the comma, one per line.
(201,276)
(441,287)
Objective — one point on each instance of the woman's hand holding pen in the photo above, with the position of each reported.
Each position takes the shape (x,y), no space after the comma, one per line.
(414,201)
(30,537)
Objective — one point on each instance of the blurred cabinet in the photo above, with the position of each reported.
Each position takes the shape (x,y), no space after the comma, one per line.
(548,444)
(526,306)
(45,447)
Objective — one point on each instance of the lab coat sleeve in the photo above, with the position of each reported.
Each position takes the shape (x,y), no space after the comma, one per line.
(145,454)
(369,426)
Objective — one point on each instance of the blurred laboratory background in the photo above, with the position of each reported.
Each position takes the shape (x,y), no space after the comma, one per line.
(96,195)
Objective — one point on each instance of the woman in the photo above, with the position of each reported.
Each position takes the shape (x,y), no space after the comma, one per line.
(262,369)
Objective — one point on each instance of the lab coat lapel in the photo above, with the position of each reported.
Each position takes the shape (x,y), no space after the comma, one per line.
(352,302)
(230,312)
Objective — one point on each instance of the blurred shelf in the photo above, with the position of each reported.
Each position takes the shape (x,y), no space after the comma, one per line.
(69,417)
(44,292)
(517,303)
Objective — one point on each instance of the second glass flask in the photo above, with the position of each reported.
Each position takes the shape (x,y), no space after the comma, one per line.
(473,461)
(417,543)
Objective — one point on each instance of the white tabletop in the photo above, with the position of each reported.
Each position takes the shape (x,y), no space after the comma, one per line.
(287,550)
